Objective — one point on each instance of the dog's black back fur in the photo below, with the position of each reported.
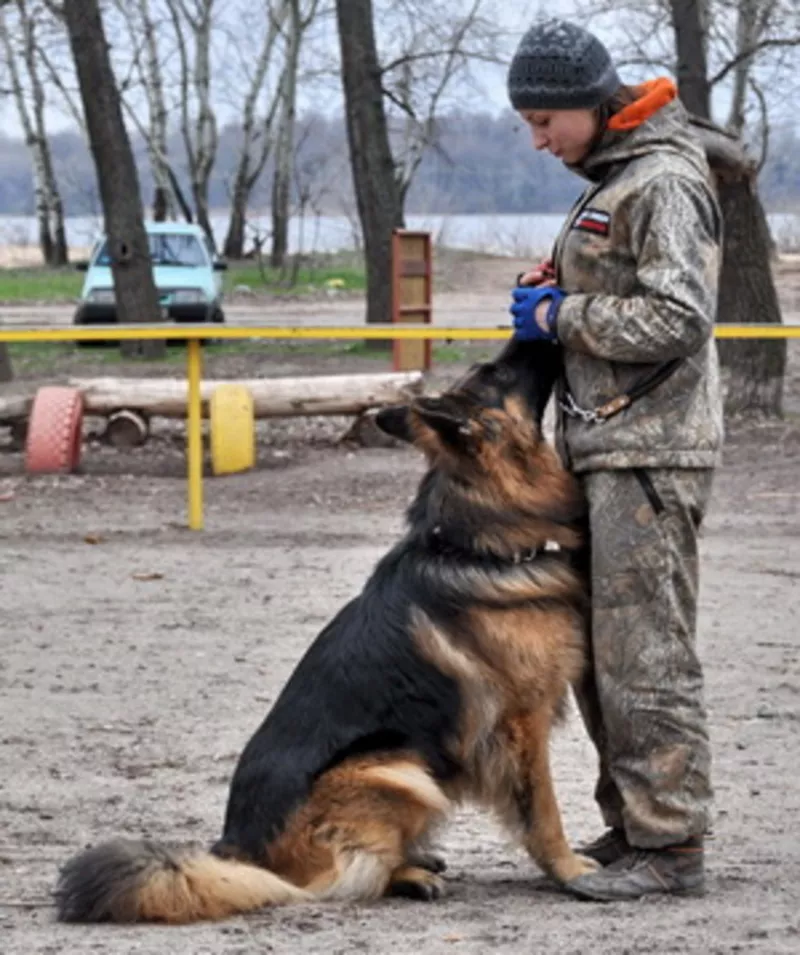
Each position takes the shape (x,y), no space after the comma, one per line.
(361,687)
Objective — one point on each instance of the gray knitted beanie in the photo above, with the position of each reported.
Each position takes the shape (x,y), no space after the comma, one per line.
(559,65)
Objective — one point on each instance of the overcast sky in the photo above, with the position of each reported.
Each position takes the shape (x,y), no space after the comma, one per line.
(486,89)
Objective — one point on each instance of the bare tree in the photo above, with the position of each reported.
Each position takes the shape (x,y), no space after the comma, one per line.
(137,299)
(317,169)
(378,192)
(257,132)
(430,45)
(143,26)
(747,289)
(299,20)
(192,22)
(691,37)
(25,55)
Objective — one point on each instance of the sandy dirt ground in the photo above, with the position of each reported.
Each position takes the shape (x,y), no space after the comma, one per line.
(137,657)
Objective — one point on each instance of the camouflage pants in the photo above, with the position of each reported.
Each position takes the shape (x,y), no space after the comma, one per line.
(642,696)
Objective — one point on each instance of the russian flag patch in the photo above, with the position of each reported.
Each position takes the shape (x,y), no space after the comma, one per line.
(593,220)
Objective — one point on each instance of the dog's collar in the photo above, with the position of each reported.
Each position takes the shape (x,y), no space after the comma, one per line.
(520,557)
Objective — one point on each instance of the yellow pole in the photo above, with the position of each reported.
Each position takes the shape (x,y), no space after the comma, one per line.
(194,368)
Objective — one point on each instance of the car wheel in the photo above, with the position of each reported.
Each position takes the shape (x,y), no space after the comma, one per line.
(78,322)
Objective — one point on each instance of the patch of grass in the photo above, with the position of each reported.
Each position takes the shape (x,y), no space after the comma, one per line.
(43,284)
(449,353)
(22,352)
(35,357)
(43,357)
(40,284)
(364,349)
(289,349)
(346,275)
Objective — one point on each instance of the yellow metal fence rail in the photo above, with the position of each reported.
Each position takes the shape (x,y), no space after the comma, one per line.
(194,335)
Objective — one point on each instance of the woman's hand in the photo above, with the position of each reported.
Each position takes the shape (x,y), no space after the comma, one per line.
(542,274)
(535,311)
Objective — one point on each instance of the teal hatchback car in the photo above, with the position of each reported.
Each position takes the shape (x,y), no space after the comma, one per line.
(185,269)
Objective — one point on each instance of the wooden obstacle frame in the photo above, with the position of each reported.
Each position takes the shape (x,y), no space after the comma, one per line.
(412,284)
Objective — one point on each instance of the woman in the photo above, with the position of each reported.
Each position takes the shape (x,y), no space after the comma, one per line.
(630,294)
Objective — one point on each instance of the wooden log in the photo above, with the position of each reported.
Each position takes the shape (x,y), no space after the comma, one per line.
(15,407)
(272,397)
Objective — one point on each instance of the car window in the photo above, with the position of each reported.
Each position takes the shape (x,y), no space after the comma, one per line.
(166,249)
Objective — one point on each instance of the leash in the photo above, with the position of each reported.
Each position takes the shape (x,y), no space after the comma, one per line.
(613,407)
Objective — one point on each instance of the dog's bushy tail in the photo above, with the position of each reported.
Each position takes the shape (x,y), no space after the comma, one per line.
(129,881)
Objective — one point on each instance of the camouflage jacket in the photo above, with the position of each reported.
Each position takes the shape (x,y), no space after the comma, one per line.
(639,258)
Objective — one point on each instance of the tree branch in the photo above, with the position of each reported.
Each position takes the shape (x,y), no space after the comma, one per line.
(765,129)
(437,54)
(750,52)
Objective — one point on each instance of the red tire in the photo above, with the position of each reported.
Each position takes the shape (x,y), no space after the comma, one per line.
(53,444)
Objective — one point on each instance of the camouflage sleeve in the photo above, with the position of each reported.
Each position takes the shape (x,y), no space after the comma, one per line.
(675,239)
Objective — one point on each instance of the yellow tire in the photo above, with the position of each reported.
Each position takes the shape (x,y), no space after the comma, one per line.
(233,445)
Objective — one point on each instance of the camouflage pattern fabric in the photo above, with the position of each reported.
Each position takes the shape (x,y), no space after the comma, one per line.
(639,255)
(642,695)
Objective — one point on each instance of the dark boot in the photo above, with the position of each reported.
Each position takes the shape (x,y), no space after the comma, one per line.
(612,845)
(673,870)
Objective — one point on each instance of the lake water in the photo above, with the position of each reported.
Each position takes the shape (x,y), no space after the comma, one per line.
(519,235)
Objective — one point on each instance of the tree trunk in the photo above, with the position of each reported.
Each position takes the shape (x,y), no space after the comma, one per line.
(59,251)
(6,372)
(200,196)
(690,47)
(32,126)
(199,133)
(136,296)
(753,369)
(284,153)
(43,219)
(54,239)
(234,239)
(157,140)
(374,176)
(282,188)
(160,204)
(256,137)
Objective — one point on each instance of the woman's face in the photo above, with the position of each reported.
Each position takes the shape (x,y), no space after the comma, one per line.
(566,133)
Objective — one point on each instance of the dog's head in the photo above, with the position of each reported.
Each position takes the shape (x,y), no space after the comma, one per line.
(495,410)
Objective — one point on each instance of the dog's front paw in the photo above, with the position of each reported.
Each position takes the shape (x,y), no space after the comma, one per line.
(573,866)
(428,860)
(412,882)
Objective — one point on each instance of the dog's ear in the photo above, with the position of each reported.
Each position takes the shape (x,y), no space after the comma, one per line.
(454,430)
(394,422)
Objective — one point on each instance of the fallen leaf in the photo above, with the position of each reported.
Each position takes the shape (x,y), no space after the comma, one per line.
(7,496)
(148,576)
(93,539)
(453,937)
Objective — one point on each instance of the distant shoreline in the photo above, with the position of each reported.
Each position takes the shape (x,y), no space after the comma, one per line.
(515,235)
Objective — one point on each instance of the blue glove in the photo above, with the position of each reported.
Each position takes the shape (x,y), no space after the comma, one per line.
(526,299)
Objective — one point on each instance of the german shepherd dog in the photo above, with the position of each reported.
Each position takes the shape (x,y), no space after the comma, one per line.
(439,683)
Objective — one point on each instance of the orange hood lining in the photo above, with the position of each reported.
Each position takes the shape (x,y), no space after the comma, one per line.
(652,96)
